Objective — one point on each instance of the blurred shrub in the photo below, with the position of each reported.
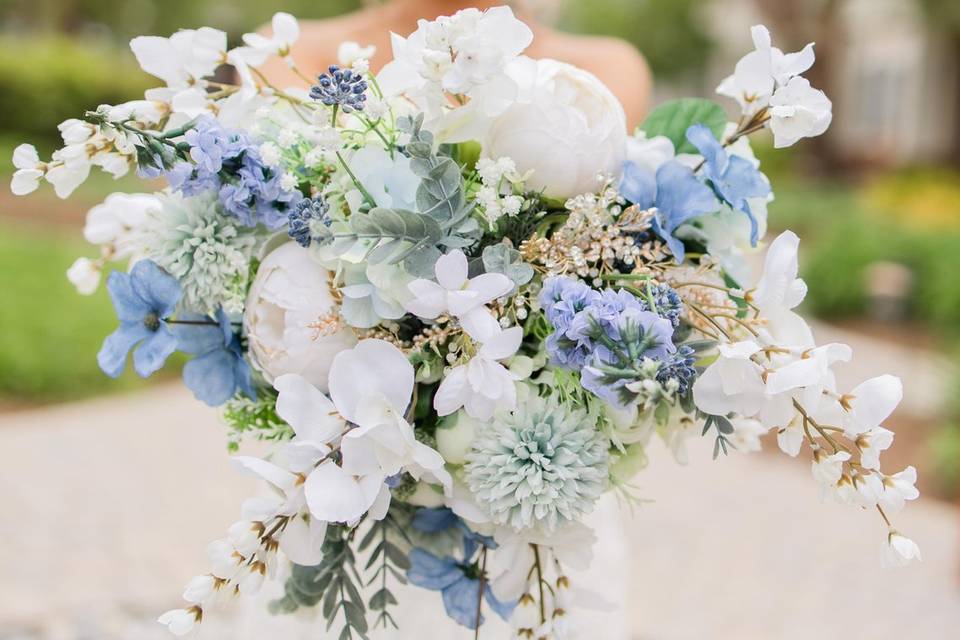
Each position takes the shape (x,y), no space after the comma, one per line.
(668,32)
(49,335)
(844,231)
(44,81)
(927,197)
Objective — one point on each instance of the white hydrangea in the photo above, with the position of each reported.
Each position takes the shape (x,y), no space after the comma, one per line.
(205,250)
(496,197)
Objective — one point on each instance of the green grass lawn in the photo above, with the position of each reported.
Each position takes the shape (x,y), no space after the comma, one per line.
(49,334)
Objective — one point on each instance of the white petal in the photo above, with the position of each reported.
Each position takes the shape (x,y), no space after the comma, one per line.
(25,157)
(452,393)
(430,299)
(280,478)
(373,367)
(502,345)
(25,181)
(480,324)
(310,413)
(333,495)
(490,286)
(873,401)
(285,28)
(302,540)
(451,270)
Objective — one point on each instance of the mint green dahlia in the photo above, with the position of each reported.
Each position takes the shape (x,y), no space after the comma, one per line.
(543,464)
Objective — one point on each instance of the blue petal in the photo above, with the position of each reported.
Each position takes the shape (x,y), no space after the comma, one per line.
(113,354)
(741,181)
(242,376)
(462,601)
(130,307)
(156,287)
(638,186)
(434,520)
(502,609)
(197,339)
(430,572)
(211,377)
(154,351)
(709,147)
(681,196)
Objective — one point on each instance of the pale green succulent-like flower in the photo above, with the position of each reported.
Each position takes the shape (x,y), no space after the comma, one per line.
(208,252)
(543,464)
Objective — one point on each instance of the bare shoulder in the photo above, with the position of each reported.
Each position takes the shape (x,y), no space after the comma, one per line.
(616,62)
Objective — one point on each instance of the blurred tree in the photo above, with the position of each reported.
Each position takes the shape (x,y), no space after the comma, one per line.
(666,31)
(126,19)
(944,17)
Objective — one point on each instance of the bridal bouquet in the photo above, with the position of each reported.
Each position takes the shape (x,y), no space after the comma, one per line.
(459,300)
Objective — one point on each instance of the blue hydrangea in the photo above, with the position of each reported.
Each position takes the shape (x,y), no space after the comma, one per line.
(227,162)
(459,583)
(344,88)
(303,214)
(734,179)
(580,315)
(143,300)
(218,369)
(635,339)
(676,194)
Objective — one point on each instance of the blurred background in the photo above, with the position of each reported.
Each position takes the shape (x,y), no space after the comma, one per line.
(876,201)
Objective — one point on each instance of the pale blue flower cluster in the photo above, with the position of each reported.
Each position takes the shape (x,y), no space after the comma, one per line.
(227,162)
(545,462)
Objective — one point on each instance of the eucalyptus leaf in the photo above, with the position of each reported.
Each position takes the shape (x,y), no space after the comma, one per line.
(500,258)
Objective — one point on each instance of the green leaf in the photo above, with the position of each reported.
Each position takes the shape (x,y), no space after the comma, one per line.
(499,258)
(673,118)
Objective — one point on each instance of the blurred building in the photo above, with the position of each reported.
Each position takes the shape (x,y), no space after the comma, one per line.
(892,77)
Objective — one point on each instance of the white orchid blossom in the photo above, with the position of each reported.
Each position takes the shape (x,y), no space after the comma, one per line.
(379,443)
(285,31)
(182,61)
(899,551)
(29,170)
(758,73)
(483,385)
(797,111)
(454,292)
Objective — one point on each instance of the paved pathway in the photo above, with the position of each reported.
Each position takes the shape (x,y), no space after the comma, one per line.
(107,507)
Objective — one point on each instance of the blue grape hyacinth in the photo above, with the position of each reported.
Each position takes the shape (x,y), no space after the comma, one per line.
(343,88)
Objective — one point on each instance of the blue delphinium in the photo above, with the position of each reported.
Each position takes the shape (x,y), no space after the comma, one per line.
(303,214)
(735,179)
(143,299)
(458,582)
(674,191)
(344,88)
(219,370)
(227,162)
(562,299)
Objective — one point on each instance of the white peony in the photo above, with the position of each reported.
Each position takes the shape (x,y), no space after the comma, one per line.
(292,317)
(565,126)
